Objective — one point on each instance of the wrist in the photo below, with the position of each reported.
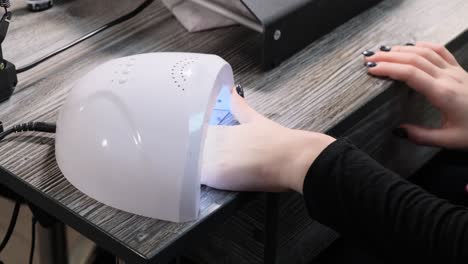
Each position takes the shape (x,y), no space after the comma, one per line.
(306,148)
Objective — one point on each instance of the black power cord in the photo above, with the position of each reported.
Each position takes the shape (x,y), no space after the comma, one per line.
(33,239)
(25,127)
(115,22)
(11,226)
(31,126)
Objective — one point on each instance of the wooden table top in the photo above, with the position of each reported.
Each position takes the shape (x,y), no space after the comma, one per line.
(314,90)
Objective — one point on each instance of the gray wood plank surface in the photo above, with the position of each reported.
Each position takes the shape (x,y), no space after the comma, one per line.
(314,90)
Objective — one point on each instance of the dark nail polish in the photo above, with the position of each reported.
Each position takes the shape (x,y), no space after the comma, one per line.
(240,90)
(370,64)
(400,132)
(409,44)
(368,53)
(385,48)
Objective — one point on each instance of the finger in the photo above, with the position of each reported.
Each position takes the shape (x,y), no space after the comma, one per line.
(407,58)
(241,111)
(441,50)
(427,53)
(428,136)
(417,79)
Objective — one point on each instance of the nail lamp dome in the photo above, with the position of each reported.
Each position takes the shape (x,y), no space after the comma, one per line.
(131,132)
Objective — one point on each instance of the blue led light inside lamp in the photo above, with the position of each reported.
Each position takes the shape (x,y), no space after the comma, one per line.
(222,108)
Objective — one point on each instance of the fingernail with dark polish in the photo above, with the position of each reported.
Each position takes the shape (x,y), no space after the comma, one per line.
(385,48)
(368,53)
(240,90)
(370,64)
(409,44)
(400,132)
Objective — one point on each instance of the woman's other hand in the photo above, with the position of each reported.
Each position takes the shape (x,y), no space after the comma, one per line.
(435,73)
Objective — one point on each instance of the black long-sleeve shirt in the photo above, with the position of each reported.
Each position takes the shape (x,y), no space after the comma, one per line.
(350,192)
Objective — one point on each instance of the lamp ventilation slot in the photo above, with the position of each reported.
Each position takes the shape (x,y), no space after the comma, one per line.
(181,72)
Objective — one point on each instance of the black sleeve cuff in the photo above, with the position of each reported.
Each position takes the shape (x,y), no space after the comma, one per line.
(320,184)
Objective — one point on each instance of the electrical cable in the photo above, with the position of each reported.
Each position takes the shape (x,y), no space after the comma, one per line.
(31,126)
(111,24)
(11,226)
(33,240)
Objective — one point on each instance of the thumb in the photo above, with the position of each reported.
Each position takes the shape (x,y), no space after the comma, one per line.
(436,137)
(241,111)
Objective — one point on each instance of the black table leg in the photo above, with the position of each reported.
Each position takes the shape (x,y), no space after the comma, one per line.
(53,244)
(51,236)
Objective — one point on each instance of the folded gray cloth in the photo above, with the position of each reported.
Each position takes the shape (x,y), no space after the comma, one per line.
(197,18)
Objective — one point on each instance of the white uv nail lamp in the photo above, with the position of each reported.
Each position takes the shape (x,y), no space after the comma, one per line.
(131,132)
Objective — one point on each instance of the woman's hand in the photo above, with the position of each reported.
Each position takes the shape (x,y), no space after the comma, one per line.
(435,73)
(258,154)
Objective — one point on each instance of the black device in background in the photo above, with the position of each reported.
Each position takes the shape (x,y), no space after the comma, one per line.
(288,26)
